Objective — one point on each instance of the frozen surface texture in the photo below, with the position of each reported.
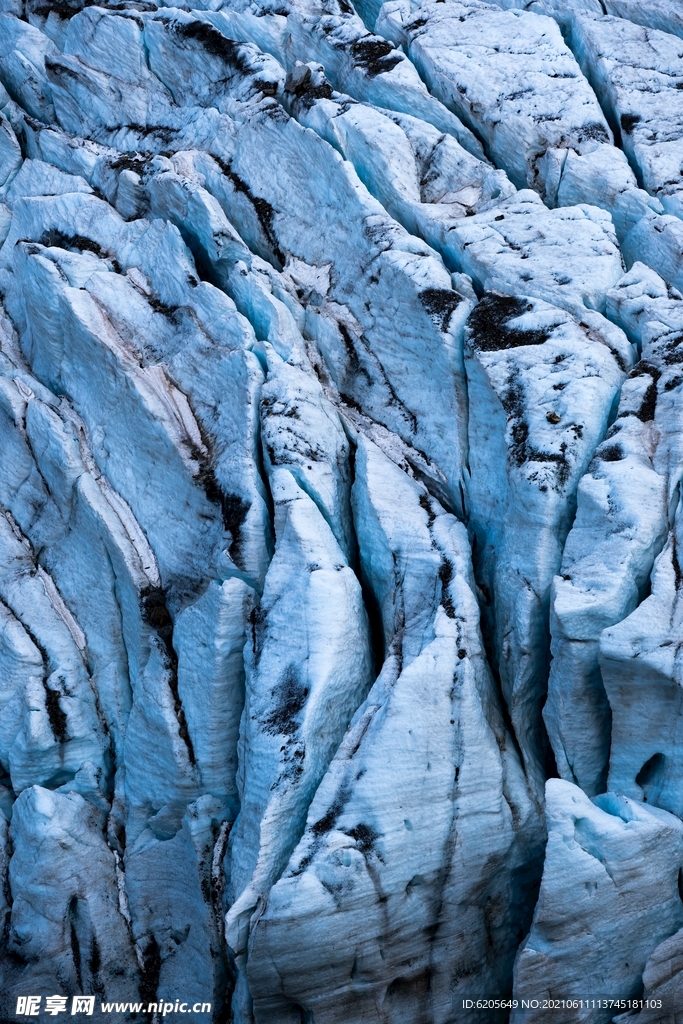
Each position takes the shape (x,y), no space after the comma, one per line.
(341,448)
(609,888)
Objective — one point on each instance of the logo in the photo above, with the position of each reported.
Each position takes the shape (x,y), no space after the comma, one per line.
(29,1006)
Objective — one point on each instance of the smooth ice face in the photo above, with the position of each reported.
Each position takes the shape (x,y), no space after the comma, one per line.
(24,50)
(663,979)
(302,430)
(637,72)
(660,14)
(610,885)
(424,178)
(568,257)
(10,152)
(340,472)
(560,10)
(643,753)
(62,862)
(510,76)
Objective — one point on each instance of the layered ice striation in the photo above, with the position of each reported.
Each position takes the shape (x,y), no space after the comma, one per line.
(340,522)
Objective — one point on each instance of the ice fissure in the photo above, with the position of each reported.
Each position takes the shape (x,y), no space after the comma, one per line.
(340,523)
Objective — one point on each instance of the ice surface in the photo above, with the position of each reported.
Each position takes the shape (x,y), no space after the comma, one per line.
(340,473)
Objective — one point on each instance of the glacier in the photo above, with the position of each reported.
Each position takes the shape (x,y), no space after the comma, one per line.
(341,459)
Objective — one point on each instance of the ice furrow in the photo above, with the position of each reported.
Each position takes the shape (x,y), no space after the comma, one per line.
(108,574)
(534,372)
(625,503)
(362,861)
